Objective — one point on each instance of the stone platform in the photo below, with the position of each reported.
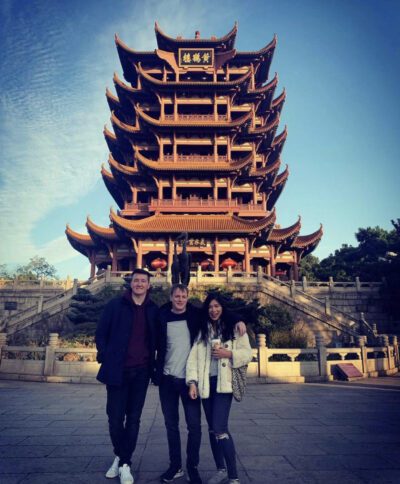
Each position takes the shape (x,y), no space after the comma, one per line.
(297,433)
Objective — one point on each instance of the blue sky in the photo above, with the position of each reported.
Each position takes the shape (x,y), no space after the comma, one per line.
(338,60)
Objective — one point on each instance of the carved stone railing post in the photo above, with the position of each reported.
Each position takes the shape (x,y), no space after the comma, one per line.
(361,340)
(331,284)
(304,283)
(50,354)
(327,305)
(358,284)
(40,304)
(322,361)
(3,342)
(229,275)
(68,283)
(292,289)
(108,274)
(198,274)
(259,274)
(75,287)
(262,355)
(394,342)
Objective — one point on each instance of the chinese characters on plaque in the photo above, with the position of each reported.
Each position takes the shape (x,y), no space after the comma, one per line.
(196,57)
(195,243)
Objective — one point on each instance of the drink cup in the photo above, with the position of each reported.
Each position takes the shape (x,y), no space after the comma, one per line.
(215,343)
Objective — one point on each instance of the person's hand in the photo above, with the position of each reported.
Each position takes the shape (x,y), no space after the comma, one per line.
(219,353)
(241,328)
(193,391)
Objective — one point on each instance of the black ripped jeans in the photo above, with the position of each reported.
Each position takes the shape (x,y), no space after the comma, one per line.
(216,409)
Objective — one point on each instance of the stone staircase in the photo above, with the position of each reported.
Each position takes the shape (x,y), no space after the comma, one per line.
(319,316)
(50,307)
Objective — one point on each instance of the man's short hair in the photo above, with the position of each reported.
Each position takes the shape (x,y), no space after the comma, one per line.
(180,287)
(141,271)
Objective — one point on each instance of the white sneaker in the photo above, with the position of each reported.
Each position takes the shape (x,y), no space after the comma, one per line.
(125,476)
(113,470)
(220,476)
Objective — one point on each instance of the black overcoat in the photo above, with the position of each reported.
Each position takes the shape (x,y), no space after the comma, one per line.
(113,334)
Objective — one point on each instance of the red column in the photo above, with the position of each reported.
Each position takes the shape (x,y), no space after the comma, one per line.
(272,260)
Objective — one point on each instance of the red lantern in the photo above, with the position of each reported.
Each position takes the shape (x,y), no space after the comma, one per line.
(204,264)
(158,263)
(228,263)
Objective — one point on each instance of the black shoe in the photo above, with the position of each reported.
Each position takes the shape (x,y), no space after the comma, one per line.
(171,474)
(193,475)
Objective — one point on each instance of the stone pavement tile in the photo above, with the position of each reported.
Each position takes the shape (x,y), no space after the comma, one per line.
(269,448)
(40,464)
(379,476)
(337,429)
(25,424)
(346,448)
(285,422)
(33,411)
(10,431)
(315,462)
(65,440)
(331,477)
(276,477)
(82,451)
(277,428)
(367,462)
(63,416)
(11,439)
(298,439)
(255,462)
(245,439)
(67,478)
(85,430)
(11,478)
(6,418)
(374,438)
(26,451)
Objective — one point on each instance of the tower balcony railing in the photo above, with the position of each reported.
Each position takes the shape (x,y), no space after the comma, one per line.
(196,117)
(193,204)
(201,203)
(195,158)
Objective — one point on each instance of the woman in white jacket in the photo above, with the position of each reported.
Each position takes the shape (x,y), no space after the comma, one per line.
(216,351)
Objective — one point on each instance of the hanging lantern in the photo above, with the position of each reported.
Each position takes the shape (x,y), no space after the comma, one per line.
(158,263)
(228,263)
(204,264)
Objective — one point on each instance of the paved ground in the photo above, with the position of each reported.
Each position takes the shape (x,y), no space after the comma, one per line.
(308,433)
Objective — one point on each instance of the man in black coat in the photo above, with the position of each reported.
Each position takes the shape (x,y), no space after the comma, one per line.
(126,342)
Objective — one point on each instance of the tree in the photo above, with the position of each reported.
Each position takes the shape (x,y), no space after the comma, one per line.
(4,272)
(36,268)
(370,260)
(308,267)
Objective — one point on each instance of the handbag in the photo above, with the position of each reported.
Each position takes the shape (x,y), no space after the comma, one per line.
(239,376)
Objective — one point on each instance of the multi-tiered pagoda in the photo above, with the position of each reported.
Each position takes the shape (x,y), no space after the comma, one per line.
(194,148)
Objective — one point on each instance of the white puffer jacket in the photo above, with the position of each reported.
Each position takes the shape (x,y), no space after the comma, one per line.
(198,364)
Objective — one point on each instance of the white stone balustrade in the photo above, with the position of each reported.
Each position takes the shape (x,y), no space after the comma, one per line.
(59,364)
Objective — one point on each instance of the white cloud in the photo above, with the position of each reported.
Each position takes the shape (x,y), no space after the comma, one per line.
(52,114)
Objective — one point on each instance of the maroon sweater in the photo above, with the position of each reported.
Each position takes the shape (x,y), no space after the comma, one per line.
(138,354)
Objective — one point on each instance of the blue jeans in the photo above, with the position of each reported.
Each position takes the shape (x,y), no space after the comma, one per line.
(216,409)
(124,409)
(171,390)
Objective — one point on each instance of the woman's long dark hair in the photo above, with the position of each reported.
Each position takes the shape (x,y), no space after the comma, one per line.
(226,321)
